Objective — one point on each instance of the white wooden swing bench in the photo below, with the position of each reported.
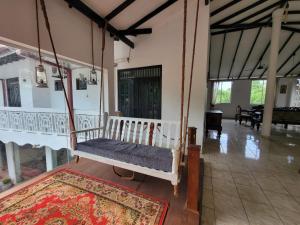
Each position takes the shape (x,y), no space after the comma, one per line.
(145,146)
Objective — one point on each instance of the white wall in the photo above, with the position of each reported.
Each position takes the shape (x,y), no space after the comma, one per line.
(295,97)
(89,99)
(283,100)
(34,97)
(71,33)
(22,70)
(240,95)
(164,47)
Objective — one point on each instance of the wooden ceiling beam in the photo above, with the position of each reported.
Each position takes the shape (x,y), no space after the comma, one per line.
(136,31)
(250,52)
(288,58)
(296,30)
(152,14)
(119,9)
(255,14)
(294,12)
(260,59)
(233,30)
(239,12)
(88,12)
(221,57)
(280,50)
(292,69)
(235,53)
(224,7)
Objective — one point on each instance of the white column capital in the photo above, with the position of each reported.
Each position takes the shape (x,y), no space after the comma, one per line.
(278,13)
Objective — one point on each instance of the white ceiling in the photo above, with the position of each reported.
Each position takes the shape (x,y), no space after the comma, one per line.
(131,14)
(247,40)
(140,8)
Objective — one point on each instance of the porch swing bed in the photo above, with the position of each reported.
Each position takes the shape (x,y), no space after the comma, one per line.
(145,146)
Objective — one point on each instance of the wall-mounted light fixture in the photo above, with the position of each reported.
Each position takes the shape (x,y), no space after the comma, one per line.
(40,72)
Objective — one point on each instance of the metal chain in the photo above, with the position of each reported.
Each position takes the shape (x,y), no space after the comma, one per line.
(38,30)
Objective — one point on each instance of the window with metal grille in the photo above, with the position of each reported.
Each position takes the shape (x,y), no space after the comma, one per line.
(139,92)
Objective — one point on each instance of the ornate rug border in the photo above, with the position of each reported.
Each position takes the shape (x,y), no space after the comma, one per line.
(164,203)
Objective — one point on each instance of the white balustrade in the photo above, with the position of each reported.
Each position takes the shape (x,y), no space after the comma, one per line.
(45,121)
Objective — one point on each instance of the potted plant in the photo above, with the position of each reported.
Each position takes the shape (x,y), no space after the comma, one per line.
(6,184)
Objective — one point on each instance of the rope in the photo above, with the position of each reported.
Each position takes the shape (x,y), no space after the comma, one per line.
(102,70)
(92,40)
(192,72)
(38,30)
(183,71)
(58,66)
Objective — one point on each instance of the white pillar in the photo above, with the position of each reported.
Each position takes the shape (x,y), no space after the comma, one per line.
(1,159)
(13,162)
(51,158)
(69,155)
(271,78)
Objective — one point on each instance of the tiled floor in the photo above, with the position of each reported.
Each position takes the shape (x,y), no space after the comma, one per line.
(252,180)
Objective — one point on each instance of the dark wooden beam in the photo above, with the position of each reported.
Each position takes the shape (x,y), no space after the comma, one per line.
(250,52)
(239,12)
(280,50)
(119,9)
(290,29)
(286,42)
(260,59)
(242,25)
(224,7)
(233,30)
(88,12)
(242,78)
(268,16)
(221,57)
(294,12)
(259,12)
(235,53)
(292,23)
(288,58)
(266,24)
(136,31)
(292,69)
(152,14)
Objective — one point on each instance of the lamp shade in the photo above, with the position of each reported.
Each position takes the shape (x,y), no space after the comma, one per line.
(41,76)
(93,77)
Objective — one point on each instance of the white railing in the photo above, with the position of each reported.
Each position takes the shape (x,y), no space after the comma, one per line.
(45,121)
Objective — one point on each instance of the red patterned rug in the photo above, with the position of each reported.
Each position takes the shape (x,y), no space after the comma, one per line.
(68,197)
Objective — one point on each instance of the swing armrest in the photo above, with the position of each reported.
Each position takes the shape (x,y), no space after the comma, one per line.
(176,158)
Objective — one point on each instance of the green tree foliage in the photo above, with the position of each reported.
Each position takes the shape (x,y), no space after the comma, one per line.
(223,94)
(258,92)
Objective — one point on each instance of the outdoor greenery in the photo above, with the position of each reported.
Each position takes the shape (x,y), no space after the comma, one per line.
(222,92)
(258,92)
(6,181)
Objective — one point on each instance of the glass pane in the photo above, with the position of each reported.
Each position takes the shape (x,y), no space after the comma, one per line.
(258,92)
(222,92)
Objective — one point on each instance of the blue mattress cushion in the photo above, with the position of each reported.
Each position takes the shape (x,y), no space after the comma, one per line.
(137,154)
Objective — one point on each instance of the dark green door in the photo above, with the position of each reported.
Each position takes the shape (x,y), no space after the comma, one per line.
(13,91)
(140,92)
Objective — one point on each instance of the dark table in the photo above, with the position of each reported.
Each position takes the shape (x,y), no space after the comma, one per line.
(213,120)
